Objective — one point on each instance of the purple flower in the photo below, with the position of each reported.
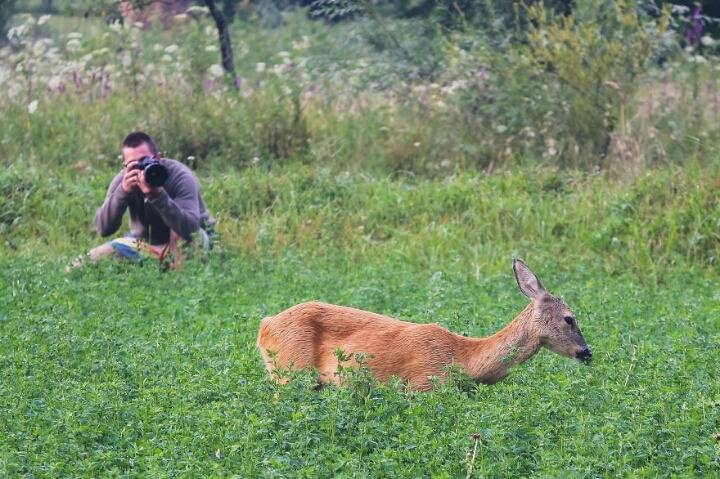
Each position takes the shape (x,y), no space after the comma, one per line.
(693,34)
(208,83)
(238,81)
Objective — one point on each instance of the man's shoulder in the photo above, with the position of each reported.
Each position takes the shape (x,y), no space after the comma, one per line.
(177,168)
(179,174)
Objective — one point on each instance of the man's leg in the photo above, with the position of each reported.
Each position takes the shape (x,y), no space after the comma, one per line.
(127,247)
(99,252)
(94,255)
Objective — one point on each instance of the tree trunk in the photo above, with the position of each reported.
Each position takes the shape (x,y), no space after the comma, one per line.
(226,51)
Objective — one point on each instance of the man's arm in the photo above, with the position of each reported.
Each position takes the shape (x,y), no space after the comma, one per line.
(108,217)
(181,213)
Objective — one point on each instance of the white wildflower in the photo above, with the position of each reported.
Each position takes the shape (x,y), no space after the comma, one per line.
(211,48)
(32,106)
(138,25)
(699,59)
(167,58)
(76,35)
(38,48)
(501,129)
(126,59)
(116,26)
(55,82)
(707,41)
(73,45)
(260,67)
(170,49)
(157,47)
(215,71)
(43,19)
(302,44)
(86,58)
(16,34)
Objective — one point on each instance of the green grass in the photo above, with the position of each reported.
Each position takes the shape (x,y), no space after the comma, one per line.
(122,371)
(345,181)
(476,221)
(117,370)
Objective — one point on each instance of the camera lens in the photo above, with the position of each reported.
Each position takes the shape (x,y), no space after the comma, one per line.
(155,174)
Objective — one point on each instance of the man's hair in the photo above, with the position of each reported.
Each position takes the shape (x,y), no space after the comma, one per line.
(137,138)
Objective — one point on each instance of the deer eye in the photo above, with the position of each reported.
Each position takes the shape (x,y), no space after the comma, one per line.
(569,320)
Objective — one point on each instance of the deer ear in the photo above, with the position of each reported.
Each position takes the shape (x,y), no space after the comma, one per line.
(528,283)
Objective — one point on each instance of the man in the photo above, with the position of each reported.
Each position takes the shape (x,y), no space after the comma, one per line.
(160,216)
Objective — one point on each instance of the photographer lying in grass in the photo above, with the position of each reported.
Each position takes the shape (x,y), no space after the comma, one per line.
(166,207)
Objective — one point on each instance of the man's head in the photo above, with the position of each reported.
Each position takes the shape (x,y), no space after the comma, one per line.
(137,145)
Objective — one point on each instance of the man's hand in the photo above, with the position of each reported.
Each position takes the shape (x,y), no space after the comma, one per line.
(131,179)
(136,178)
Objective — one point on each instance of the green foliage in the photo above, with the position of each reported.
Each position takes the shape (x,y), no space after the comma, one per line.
(563,88)
(597,62)
(118,370)
(15,190)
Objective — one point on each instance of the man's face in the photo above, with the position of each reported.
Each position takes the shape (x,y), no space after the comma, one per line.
(131,155)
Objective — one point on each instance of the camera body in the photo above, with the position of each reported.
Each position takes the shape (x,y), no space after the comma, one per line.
(155,172)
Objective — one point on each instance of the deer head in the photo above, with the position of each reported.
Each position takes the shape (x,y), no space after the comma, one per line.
(553,321)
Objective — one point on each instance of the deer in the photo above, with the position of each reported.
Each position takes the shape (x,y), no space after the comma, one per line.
(319,336)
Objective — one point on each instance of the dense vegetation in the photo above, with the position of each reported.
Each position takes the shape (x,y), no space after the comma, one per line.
(391,158)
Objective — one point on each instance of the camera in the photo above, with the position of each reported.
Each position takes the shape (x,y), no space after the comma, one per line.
(155,172)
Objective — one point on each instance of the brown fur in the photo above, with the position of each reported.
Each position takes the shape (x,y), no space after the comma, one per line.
(308,334)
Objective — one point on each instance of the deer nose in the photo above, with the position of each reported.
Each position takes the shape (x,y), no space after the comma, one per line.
(585,355)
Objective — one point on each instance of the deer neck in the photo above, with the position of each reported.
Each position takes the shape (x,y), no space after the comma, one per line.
(490,359)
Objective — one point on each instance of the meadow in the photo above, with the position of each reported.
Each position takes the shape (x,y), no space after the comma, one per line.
(341,172)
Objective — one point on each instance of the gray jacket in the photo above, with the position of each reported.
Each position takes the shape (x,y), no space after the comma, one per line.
(179,207)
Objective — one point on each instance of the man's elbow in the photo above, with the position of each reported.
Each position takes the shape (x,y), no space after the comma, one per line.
(192,224)
(105,229)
